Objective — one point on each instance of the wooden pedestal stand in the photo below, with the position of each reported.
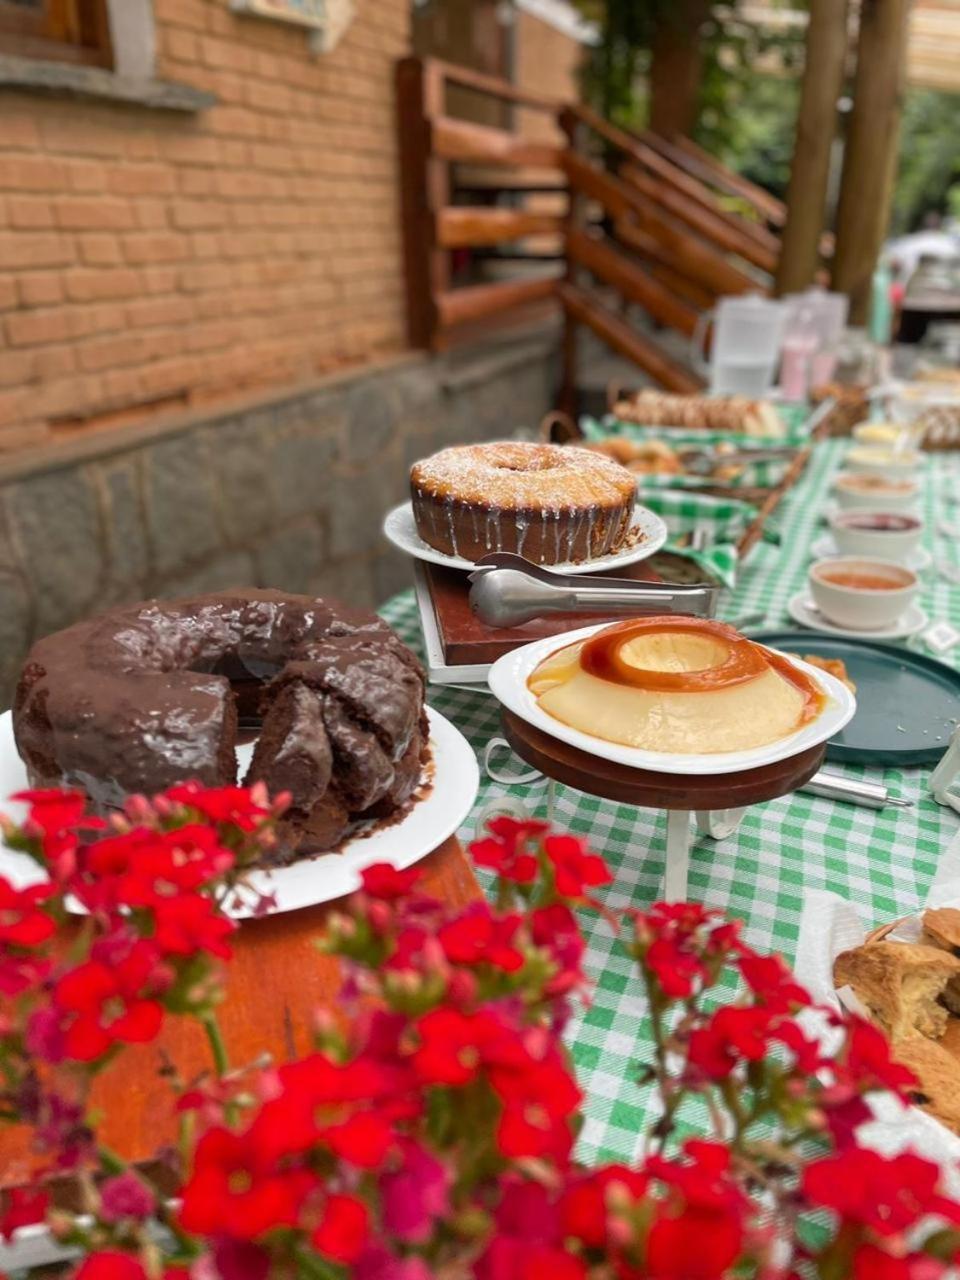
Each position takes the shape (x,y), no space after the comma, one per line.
(717,800)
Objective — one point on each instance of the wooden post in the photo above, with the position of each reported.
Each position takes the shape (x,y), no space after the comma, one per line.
(576,219)
(826,52)
(868,164)
(676,67)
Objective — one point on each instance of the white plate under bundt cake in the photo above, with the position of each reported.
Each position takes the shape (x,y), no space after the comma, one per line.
(146,695)
(550,504)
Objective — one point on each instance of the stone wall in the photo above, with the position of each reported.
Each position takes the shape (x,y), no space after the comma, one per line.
(287,491)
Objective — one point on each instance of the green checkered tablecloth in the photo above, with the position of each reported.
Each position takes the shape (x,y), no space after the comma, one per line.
(883,861)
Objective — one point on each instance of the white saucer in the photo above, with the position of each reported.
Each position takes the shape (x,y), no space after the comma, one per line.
(450,786)
(508,682)
(802,609)
(401,529)
(825,548)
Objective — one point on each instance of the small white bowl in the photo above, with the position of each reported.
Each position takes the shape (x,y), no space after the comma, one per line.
(882,460)
(879,433)
(890,535)
(862,608)
(860,491)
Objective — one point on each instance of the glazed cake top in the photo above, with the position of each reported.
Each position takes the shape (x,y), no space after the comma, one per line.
(518,475)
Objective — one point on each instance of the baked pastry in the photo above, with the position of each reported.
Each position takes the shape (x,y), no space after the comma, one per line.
(835,667)
(675,684)
(906,988)
(645,457)
(711,413)
(146,695)
(941,928)
(549,503)
(937,1090)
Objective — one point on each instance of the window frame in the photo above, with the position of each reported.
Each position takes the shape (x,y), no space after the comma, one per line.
(75,31)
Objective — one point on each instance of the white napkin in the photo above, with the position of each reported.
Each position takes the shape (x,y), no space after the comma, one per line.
(830,924)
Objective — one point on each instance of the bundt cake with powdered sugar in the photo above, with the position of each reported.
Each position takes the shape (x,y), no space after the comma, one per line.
(147,695)
(548,503)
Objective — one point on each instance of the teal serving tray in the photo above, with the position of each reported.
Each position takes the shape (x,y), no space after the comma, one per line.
(908,705)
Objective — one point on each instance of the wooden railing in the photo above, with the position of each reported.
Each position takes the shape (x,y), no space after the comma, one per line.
(631,220)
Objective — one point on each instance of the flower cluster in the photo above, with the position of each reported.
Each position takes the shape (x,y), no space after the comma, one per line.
(431,1130)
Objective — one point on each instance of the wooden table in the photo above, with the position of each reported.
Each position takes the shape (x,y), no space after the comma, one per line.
(276,980)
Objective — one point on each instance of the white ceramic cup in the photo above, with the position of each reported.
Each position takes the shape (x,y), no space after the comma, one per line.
(890,535)
(862,608)
(882,460)
(857,491)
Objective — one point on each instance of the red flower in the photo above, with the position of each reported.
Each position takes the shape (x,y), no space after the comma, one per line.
(676,969)
(871,1263)
(575,870)
(506,852)
(555,928)
(343,1230)
(233,806)
(236,1188)
(888,1194)
(381,880)
(53,809)
(454,1046)
(24,1206)
(730,1036)
(680,944)
(585,1204)
(869,1062)
(698,1233)
(771,981)
(539,1098)
(22,922)
(190,924)
(101,1004)
(110,1264)
(528,1242)
(477,936)
(145,868)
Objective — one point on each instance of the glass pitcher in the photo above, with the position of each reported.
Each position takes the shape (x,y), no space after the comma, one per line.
(747,333)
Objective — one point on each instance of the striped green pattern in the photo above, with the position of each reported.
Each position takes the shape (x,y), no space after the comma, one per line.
(883,861)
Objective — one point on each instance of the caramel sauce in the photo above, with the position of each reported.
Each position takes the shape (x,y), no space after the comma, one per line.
(600,656)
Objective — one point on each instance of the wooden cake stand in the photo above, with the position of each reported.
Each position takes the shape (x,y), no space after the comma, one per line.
(716,800)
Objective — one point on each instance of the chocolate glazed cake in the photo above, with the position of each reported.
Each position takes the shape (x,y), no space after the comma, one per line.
(146,695)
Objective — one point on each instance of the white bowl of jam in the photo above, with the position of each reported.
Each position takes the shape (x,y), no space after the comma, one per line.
(891,535)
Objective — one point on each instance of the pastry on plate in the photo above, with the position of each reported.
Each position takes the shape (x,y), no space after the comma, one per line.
(937,1070)
(905,988)
(941,928)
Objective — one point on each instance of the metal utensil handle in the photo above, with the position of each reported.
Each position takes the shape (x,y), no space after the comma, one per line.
(872,795)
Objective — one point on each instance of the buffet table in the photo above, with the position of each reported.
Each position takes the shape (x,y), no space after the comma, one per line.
(881,860)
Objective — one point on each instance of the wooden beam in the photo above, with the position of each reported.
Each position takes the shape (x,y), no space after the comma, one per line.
(459,227)
(631,145)
(423,266)
(712,226)
(464,141)
(492,85)
(660,265)
(614,268)
(866,187)
(461,306)
(826,56)
(616,333)
(709,168)
(688,254)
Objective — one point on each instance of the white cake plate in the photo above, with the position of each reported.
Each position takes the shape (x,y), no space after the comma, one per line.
(450,786)
(649,530)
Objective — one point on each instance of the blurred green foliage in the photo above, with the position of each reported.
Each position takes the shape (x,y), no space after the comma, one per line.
(928,175)
(749,98)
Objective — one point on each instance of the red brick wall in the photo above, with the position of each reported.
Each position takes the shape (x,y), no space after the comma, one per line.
(149,260)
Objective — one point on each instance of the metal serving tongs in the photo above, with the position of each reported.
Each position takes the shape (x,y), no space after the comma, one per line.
(703,462)
(507,591)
